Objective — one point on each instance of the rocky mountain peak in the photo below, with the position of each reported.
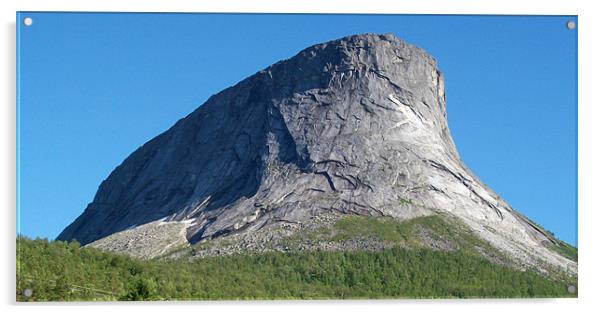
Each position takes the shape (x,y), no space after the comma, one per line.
(353,126)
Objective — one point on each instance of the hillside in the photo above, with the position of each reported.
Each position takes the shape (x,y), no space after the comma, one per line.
(349,258)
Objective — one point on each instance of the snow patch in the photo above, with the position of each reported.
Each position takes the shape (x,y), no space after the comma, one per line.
(189,222)
(131,227)
(395,100)
(400,123)
(411,117)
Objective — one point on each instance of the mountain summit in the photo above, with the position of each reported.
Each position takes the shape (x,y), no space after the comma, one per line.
(352,126)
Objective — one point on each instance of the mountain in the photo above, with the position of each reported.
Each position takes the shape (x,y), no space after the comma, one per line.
(355,126)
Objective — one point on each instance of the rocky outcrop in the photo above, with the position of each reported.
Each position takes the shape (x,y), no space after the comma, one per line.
(356,125)
(148,241)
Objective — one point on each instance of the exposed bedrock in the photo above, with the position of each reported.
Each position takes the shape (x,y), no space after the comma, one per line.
(356,125)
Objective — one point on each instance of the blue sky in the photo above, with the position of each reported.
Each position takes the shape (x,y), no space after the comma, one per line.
(94,87)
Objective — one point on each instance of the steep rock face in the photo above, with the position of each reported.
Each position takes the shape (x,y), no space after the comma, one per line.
(356,125)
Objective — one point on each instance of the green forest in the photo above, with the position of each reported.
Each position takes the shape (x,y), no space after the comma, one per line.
(59,271)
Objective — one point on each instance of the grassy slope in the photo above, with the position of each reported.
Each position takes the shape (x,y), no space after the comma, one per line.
(407,233)
(561,247)
(565,250)
(61,271)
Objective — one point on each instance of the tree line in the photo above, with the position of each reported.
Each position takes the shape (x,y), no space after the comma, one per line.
(55,270)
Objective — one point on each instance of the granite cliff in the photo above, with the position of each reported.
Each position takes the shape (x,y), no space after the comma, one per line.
(355,126)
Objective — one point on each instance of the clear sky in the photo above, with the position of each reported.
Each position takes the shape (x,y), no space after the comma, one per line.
(94,87)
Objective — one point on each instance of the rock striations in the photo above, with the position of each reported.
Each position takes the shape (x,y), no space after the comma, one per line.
(354,126)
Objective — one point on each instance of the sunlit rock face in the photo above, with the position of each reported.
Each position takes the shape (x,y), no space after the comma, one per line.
(356,125)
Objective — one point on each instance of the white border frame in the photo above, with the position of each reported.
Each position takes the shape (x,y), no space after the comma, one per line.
(589,21)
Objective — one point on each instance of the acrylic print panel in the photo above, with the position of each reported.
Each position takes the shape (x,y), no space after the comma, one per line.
(293,156)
